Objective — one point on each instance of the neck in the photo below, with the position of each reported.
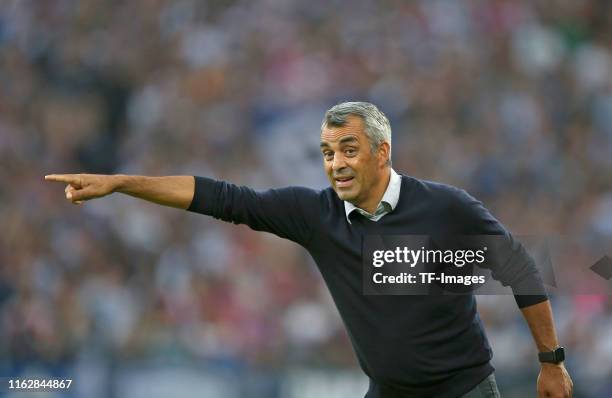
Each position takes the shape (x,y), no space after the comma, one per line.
(377,192)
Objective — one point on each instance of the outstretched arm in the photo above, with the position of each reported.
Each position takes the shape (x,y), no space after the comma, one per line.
(553,381)
(173,191)
(289,212)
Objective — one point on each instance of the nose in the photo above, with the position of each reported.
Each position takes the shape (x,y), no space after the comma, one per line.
(338,163)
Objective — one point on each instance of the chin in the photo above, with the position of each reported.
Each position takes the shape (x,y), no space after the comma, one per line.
(344,195)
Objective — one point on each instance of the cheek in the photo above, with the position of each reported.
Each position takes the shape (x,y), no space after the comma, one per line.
(329,172)
(365,175)
(360,169)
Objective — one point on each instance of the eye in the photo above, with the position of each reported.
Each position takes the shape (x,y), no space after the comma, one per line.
(350,151)
(328,155)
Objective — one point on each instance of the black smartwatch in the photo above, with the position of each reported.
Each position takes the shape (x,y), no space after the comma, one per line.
(555,356)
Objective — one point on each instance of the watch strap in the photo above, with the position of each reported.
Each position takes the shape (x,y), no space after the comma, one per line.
(555,356)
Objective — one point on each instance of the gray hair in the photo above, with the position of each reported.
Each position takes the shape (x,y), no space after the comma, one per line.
(377,127)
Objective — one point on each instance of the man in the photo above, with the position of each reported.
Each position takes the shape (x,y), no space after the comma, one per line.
(411,345)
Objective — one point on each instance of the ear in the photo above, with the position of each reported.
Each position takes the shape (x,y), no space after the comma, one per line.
(383,152)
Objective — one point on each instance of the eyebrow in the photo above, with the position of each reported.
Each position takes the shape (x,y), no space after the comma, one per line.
(344,140)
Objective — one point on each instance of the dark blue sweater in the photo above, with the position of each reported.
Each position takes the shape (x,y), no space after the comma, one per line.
(409,346)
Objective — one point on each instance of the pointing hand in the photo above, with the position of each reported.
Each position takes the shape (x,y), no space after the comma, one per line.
(82,187)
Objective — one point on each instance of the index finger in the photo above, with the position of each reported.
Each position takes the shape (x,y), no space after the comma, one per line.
(68,178)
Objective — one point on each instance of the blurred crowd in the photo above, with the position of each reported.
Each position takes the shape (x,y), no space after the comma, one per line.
(510,100)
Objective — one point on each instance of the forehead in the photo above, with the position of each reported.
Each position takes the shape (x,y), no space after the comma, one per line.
(353,127)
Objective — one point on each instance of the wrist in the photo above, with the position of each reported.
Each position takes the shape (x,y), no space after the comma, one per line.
(545,365)
(118,182)
(556,356)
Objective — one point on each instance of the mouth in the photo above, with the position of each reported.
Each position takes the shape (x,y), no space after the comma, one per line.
(343,182)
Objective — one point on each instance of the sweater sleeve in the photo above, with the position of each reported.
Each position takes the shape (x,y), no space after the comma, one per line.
(287,212)
(511,264)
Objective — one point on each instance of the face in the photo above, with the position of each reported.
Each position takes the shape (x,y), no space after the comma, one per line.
(354,172)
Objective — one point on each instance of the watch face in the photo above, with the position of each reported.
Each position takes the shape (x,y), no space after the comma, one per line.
(559,354)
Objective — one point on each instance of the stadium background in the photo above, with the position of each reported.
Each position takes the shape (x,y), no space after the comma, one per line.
(511,100)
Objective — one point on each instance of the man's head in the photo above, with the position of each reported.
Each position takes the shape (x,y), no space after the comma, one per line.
(356,147)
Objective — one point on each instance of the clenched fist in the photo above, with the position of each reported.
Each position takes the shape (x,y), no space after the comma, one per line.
(554,382)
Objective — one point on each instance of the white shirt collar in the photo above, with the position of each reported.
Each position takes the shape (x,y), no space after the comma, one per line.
(387,203)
